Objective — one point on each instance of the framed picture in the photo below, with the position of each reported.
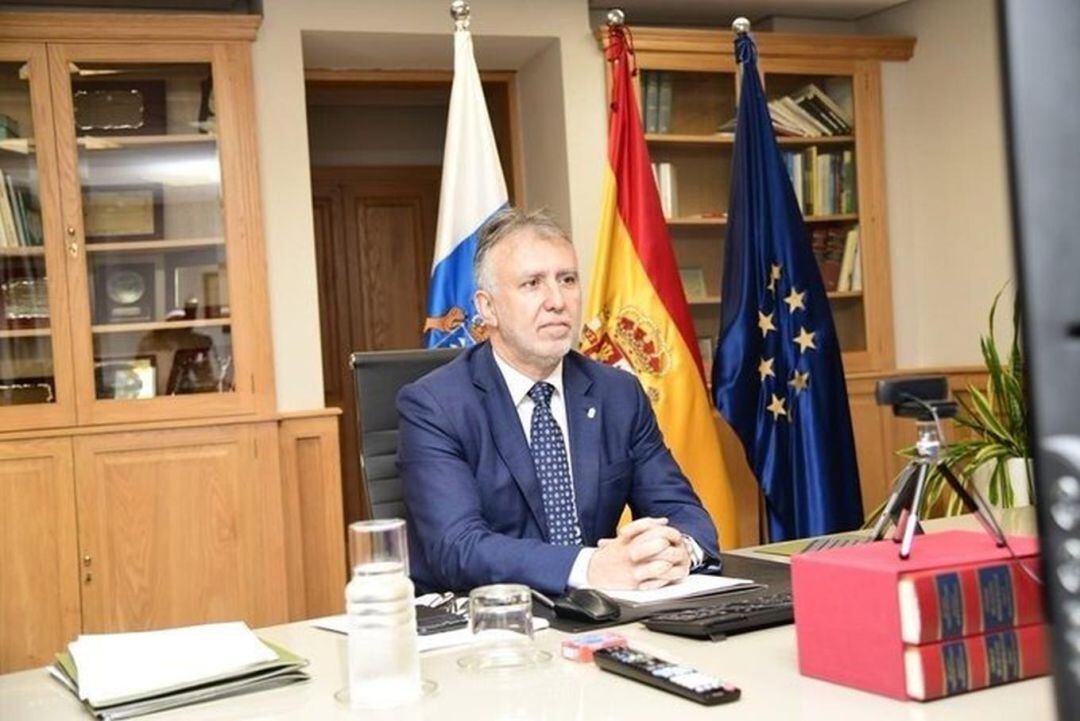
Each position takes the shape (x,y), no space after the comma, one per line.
(705,346)
(126,378)
(204,288)
(114,213)
(693,281)
(128,288)
(119,107)
(26,391)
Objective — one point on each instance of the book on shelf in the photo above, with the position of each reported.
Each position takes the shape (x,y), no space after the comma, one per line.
(650,85)
(809,179)
(856,270)
(20,214)
(664,173)
(848,619)
(947,668)
(9,234)
(794,164)
(847,262)
(9,128)
(663,112)
(806,113)
(834,255)
(939,605)
(817,102)
(123,675)
(824,181)
(847,181)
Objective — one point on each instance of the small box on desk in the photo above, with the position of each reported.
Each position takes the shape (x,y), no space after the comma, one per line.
(848,614)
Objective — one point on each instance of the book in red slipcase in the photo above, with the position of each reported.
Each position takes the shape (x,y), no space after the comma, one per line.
(950,603)
(947,668)
(847,611)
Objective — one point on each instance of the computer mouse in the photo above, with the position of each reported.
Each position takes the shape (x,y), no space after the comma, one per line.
(586,604)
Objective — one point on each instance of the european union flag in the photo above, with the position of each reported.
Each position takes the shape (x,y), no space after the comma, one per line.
(778,377)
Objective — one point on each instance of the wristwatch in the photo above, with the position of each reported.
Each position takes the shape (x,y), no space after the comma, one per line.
(697,556)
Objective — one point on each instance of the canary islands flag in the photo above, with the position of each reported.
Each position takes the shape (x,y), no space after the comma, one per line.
(473,189)
(778,377)
(637,317)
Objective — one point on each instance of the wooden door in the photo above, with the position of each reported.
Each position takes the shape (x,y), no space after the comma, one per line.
(374,240)
(181,527)
(39,568)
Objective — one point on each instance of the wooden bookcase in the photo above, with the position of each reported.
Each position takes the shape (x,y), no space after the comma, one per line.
(146,477)
(703,79)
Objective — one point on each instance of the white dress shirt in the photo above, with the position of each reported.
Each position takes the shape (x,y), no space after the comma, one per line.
(519,385)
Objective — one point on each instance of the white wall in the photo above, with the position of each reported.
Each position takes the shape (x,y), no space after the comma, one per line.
(545,177)
(946,179)
(285,163)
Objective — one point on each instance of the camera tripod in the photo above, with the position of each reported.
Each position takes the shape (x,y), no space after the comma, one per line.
(910,486)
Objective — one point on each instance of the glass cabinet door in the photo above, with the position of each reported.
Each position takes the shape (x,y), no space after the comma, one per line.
(155,282)
(35,378)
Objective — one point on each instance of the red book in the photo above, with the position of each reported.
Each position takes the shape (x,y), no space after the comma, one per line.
(936,605)
(847,610)
(947,668)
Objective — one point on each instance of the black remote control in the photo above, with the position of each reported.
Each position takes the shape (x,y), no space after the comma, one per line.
(666,676)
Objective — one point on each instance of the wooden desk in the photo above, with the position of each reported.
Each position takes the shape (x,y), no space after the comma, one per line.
(763,664)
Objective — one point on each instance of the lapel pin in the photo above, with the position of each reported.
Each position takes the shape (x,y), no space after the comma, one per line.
(591,413)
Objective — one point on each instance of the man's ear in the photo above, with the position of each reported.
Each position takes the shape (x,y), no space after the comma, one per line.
(485,306)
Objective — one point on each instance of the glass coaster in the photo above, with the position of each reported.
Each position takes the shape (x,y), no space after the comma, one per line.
(494,659)
(427,688)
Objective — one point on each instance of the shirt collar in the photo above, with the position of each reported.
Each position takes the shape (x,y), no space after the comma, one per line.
(520,384)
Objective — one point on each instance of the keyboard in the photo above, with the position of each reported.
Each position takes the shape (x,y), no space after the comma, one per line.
(726,618)
(825,542)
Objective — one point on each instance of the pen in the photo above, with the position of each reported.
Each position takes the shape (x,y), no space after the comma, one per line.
(542,598)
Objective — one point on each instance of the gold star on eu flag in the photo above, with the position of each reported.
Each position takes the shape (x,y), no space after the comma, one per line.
(795,300)
(805,340)
(765,368)
(765,322)
(776,407)
(799,381)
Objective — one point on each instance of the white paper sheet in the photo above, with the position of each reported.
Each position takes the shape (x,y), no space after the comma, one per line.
(696,584)
(120,665)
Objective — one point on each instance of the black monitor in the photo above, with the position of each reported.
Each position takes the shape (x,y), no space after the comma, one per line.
(1040,44)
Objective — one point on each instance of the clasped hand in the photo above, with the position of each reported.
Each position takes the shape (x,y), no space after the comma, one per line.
(645,554)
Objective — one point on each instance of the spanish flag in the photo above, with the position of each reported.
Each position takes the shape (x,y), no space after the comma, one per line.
(637,317)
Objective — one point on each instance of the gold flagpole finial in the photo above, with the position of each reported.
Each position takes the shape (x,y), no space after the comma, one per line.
(615,17)
(741,26)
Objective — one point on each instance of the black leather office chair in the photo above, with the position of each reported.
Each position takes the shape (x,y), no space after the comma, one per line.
(378,376)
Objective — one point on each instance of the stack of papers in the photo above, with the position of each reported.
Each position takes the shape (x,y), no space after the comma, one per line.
(123,675)
(696,584)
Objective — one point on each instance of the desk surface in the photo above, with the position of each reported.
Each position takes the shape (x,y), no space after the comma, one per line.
(763,664)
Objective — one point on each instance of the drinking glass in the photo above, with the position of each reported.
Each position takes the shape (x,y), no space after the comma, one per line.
(500,618)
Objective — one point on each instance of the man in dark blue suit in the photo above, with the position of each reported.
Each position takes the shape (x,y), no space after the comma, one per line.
(518,456)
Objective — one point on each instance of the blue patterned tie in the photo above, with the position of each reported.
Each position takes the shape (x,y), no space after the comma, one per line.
(553,470)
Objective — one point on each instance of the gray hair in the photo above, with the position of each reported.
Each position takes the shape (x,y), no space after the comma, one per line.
(503,224)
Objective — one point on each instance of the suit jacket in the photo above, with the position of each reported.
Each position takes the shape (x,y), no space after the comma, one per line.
(474,508)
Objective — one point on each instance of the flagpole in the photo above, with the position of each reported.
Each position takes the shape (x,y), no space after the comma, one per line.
(615,17)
